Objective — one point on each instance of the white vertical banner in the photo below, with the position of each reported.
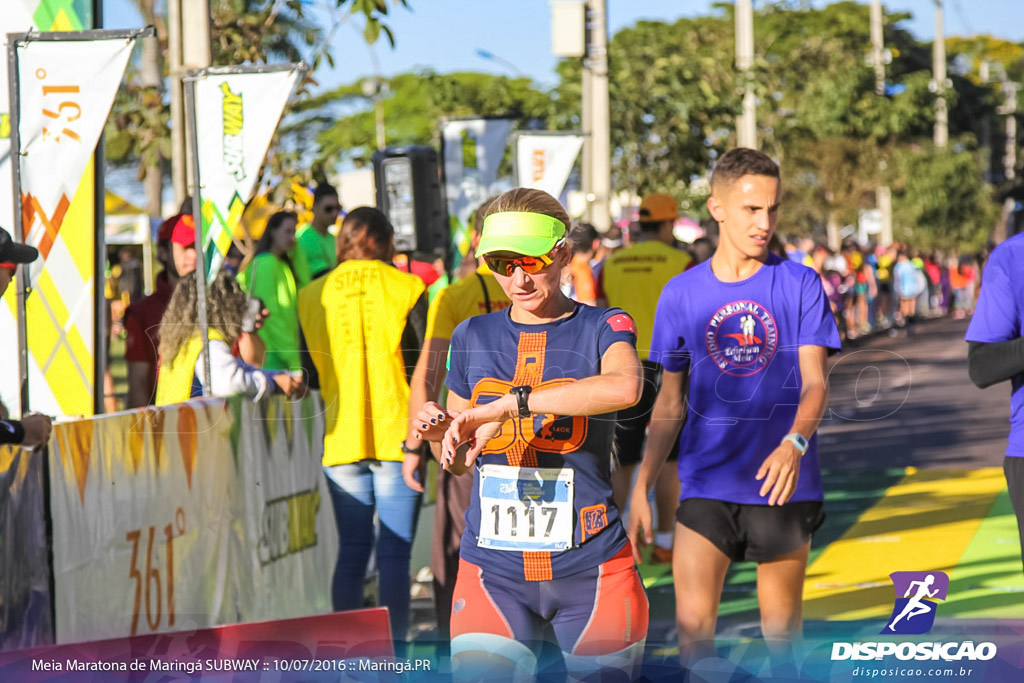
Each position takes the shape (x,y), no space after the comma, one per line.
(237,112)
(544,162)
(472,150)
(63,92)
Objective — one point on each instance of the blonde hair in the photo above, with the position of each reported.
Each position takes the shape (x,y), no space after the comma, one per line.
(225,308)
(531,200)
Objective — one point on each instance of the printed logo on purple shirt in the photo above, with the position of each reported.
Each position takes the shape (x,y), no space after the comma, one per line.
(741,338)
(914,611)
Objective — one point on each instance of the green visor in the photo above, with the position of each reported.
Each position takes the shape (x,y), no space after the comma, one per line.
(520,232)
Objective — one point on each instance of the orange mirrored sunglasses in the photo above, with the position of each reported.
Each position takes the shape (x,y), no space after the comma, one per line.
(503,265)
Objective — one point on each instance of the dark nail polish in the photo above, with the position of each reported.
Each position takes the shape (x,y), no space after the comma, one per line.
(433,421)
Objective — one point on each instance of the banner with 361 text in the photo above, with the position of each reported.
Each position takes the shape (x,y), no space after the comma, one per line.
(65,342)
(205,513)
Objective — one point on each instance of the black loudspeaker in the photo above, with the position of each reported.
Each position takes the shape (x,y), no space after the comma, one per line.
(410,194)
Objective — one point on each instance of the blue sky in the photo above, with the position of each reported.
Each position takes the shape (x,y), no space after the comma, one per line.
(445,34)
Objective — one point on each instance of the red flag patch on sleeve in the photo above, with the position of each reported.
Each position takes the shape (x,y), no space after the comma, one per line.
(621,322)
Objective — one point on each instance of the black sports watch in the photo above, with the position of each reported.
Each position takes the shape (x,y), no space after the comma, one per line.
(412,451)
(522,394)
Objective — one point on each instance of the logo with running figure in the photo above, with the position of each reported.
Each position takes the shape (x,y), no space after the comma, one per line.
(914,612)
(741,338)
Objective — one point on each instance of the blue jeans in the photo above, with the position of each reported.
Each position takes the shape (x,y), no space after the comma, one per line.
(357,491)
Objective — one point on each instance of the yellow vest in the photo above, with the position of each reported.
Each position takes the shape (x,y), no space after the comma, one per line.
(174,380)
(353,319)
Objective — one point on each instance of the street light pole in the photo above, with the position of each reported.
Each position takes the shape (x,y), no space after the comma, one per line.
(375,88)
(939,76)
(188,33)
(490,56)
(746,125)
(883,195)
(600,134)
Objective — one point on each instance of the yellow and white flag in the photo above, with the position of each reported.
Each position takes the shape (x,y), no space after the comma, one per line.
(65,91)
(544,161)
(236,114)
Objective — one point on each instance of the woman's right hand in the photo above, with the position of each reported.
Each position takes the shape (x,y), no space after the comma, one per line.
(432,422)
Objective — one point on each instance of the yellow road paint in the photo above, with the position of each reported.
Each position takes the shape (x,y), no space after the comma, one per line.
(923,523)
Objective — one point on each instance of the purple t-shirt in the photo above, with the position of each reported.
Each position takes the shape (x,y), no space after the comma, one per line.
(999,317)
(740,342)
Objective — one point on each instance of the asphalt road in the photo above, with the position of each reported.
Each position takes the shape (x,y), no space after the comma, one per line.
(906,401)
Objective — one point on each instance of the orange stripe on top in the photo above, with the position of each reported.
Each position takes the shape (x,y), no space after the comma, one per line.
(537,566)
(530,359)
(530,371)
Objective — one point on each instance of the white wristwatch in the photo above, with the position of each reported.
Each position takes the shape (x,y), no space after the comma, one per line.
(798,440)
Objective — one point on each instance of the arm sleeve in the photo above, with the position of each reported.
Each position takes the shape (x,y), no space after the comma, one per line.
(817,324)
(668,345)
(413,335)
(11,431)
(231,375)
(995,362)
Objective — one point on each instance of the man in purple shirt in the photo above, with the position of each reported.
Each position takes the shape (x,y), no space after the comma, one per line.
(996,351)
(743,340)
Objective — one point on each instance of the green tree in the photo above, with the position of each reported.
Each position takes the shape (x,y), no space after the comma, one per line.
(340,125)
(940,199)
(675,96)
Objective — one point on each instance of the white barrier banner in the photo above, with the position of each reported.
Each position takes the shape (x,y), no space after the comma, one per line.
(196,515)
(544,162)
(291,535)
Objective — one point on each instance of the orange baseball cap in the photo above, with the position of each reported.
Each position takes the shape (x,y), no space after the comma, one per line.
(658,207)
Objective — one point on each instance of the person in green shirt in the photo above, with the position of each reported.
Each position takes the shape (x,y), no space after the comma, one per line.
(316,239)
(271,276)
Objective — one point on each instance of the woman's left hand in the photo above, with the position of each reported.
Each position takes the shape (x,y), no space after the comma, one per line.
(475,427)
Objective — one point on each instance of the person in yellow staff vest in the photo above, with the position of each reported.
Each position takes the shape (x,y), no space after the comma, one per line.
(180,375)
(275,278)
(632,279)
(475,294)
(363,326)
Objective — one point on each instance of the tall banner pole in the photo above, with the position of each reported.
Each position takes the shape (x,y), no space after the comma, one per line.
(19,227)
(197,218)
(100,221)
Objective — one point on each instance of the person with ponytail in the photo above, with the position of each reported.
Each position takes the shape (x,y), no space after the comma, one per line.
(363,324)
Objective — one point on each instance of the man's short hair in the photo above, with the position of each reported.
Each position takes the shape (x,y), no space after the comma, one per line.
(739,162)
(324,190)
(583,236)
